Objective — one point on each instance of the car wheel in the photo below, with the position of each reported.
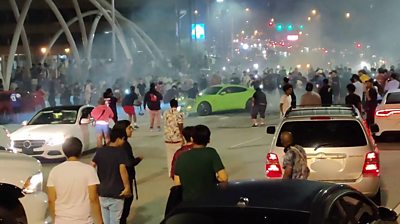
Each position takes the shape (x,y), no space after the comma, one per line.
(204,109)
(249,105)
(377,198)
(12,214)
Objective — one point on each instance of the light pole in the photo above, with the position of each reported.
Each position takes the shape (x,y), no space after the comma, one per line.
(114,50)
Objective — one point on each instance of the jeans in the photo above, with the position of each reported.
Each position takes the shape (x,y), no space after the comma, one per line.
(111,209)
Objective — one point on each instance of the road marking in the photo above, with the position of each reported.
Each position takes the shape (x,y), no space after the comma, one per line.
(246,142)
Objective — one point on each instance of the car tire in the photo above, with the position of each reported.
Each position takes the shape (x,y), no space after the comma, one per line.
(377,199)
(12,214)
(204,109)
(249,105)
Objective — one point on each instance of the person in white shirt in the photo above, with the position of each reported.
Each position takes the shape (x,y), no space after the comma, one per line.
(286,99)
(72,189)
(392,83)
(355,79)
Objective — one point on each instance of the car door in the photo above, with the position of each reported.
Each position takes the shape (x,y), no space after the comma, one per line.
(87,129)
(230,98)
(352,208)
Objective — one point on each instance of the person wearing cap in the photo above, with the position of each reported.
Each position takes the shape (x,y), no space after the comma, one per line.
(392,83)
(363,76)
(371,101)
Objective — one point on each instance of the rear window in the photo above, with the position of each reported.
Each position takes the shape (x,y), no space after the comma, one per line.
(239,216)
(329,133)
(393,98)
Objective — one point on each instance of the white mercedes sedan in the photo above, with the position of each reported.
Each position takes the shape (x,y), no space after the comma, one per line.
(43,135)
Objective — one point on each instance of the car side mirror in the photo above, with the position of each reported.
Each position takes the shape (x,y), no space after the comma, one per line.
(271,130)
(85,121)
(386,214)
(222,93)
(374,128)
(24,123)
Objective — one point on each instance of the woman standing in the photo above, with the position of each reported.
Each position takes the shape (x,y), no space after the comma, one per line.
(134,161)
(102,115)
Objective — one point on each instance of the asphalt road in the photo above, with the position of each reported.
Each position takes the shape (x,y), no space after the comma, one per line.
(242,149)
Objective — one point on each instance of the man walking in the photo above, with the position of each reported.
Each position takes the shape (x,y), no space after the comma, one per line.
(259,106)
(371,101)
(72,188)
(286,99)
(152,99)
(353,99)
(295,160)
(310,98)
(173,125)
(111,162)
(199,169)
(128,104)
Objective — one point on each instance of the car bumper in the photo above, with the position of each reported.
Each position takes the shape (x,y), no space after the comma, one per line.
(35,206)
(45,152)
(386,125)
(368,185)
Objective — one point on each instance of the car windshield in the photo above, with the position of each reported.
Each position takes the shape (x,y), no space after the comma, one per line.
(331,133)
(239,216)
(393,98)
(212,90)
(54,117)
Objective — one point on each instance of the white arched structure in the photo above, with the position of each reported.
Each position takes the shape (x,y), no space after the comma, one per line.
(103,9)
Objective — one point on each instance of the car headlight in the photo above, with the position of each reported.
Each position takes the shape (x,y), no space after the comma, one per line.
(189,107)
(33,184)
(56,140)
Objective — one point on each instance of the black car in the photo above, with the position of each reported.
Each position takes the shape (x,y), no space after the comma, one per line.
(281,202)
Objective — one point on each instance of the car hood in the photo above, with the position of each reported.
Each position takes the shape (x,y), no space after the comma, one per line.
(16,168)
(40,132)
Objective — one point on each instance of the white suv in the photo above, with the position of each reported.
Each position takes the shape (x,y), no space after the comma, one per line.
(339,147)
(21,197)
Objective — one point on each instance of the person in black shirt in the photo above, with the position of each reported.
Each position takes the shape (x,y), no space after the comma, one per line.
(128,104)
(142,88)
(111,162)
(152,99)
(125,126)
(111,101)
(335,86)
(326,93)
(353,99)
(371,96)
(259,106)
(194,91)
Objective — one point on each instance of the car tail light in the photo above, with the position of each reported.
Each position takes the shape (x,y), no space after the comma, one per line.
(272,167)
(387,112)
(371,164)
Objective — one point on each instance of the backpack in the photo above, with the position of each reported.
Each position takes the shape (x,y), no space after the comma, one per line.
(153,97)
(300,164)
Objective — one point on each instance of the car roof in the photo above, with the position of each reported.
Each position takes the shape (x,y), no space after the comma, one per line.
(72,107)
(229,85)
(331,111)
(295,195)
(394,91)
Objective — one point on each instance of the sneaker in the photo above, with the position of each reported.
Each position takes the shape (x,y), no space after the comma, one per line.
(151,129)
(158,129)
(135,126)
(262,124)
(254,125)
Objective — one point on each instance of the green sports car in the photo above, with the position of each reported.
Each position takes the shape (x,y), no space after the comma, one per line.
(222,98)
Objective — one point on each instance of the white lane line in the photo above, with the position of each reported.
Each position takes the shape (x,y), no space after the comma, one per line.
(245,142)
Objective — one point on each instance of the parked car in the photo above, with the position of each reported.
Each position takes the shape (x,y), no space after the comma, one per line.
(387,115)
(339,146)
(4,138)
(219,98)
(281,202)
(44,134)
(22,199)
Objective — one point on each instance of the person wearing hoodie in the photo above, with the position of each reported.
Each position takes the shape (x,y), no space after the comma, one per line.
(152,100)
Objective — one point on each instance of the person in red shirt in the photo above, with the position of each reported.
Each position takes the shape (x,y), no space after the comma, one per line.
(39,98)
(102,114)
(187,135)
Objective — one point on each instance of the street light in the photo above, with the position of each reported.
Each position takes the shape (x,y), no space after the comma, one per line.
(67,50)
(196,12)
(309,18)
(219,1)
(43,50)
(247,10)
(314,12)
(348,15)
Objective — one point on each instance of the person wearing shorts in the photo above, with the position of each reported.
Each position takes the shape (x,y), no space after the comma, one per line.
(259,107)
(102,114)
(128,104)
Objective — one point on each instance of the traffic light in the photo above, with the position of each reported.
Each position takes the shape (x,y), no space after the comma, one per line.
(279,27)
(358,45)
(301,27)
(289,27)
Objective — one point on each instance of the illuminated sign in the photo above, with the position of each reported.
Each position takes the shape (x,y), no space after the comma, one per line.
(198,31)
(292,37)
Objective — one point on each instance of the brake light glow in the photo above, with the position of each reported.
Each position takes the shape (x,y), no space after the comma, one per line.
(371,164)
(272,167)
(387,112)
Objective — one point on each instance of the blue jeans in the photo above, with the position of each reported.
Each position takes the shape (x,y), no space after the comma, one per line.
(111,209)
